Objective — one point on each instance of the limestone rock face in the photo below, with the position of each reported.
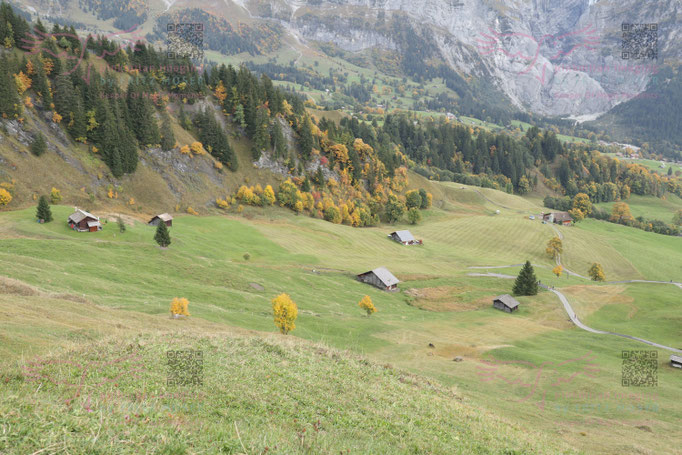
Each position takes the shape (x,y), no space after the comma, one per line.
(550,57)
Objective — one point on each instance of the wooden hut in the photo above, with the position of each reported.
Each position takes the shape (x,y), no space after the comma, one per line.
(164,217)
(381,278)
(506,303)
(676,361)
(83,221)
(404,237)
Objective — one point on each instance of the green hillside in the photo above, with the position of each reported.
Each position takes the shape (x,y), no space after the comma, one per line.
(64,290)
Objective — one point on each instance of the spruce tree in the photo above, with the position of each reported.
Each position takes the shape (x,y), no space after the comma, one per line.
(44,213)
(40,83)
(38,146)
(278,141)
(9,99)
(305,139)
(162,235)
(526,283)
(167,136)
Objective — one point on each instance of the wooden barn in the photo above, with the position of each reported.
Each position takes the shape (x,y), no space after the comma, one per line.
(404,237)
(676,361)
(82,221)
(506,303)
(164,217)
(381,278)
(563,218)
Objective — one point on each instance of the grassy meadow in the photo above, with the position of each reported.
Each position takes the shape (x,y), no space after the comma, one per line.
(88,293)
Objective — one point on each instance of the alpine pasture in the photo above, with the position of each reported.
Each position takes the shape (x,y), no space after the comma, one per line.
(66,291)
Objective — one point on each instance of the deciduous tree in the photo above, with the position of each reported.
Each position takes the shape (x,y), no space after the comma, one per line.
(285,313)
(367,305)
(554,247)
(596,272)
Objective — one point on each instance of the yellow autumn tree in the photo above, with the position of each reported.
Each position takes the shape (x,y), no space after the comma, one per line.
(198,148)
(22,82)
(5,197)
(596,272)
(558,270)
(285,313)
(367,305)
(55,195)
(179,307)
(554,247)
(268,196)
(220,92)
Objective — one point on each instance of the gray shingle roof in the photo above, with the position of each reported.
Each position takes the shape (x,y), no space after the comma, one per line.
(404,236)
(562,216)
(79,215)
(93,223)
(385,276)
(163,217)
(508,300)
(676,358)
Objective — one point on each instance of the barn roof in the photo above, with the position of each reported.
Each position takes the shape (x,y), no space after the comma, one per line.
(79,215)
(676,358)
(384,276)
(93,223)
(404,236)
(562,216)
(163,217)
(508,300)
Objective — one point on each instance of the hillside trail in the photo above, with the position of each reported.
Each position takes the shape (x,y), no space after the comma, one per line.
(577,322)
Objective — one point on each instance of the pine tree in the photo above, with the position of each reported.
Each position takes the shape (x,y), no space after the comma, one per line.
(277,139)
(526,283)
(162,235)
(44,213)
(38,146)
(261,137)
(305,139)
(9,99)
(40,83)
(167,136)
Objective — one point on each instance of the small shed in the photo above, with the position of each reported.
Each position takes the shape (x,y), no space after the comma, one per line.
(381,278)
(83,221)
(506,303)
(404,237)
(676,361)
(164,217)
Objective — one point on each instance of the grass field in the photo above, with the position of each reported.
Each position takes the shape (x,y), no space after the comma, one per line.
(63,291)
(650,207)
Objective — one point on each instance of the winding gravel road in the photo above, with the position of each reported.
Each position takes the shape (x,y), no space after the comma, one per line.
(574,317)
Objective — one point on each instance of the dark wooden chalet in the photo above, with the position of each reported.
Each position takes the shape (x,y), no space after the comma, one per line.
(676,361)
(82,221)
(404,237)
(164,217)
(506,303)
(381,278)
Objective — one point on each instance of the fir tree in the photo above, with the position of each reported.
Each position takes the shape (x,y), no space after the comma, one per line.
(526,283)
(277,138)
(44,213)
(167,136)
(9,99)
(38,146)
(305,139)
(121,225)
(261,137)
(162,235)
(40,83)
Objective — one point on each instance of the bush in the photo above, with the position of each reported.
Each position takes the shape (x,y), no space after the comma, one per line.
(179,307)
(596,272)
(414,216)
(55,196)
(367,305)
(247,256)
(5,197)
(285,313)
(39,146)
